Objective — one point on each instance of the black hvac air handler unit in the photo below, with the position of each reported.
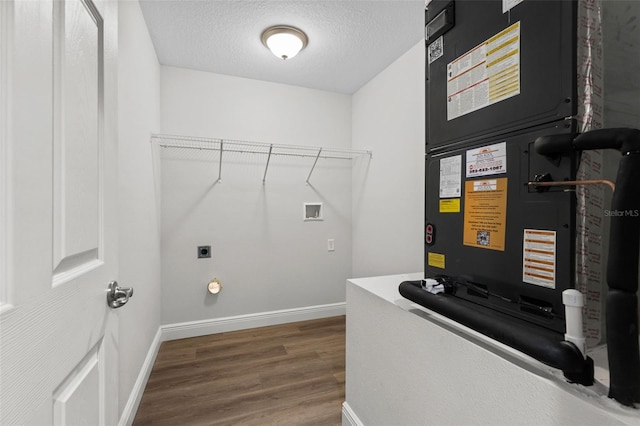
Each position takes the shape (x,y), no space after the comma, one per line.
(501,249)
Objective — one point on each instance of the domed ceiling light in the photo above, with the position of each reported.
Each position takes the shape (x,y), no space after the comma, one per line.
(284,41)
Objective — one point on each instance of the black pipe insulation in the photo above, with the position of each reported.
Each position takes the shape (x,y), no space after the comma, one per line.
(622,277)
(622,346)
(624,242)
(624,253)
(555,144)
(623,139)
(547,346)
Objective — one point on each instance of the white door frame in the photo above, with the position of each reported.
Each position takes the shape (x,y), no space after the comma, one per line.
(6,9)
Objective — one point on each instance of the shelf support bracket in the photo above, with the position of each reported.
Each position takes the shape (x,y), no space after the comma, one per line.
(220,163)
(264,177)
(314,165)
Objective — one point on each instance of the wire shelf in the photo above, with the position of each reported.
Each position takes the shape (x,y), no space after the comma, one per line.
(238,147)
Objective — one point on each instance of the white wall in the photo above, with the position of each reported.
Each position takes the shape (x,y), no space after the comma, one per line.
(266,256)
(388,194)
(139,114)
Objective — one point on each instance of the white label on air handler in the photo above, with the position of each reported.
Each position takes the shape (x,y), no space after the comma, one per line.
(507,5)
(539,257)
(435,49)
(451,177)
(487,160)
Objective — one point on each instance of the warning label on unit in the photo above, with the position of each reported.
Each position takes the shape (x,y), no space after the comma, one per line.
(450,205)
(488,73)
(485,213)
(487,160)
(539,257)
(436,260)
(451,177)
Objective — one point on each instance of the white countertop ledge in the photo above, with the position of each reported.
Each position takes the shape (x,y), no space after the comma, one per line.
(386,288)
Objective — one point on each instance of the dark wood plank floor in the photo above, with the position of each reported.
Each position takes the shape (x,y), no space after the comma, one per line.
(291,374)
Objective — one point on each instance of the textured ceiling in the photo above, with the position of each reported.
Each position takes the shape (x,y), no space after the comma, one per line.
(350,41)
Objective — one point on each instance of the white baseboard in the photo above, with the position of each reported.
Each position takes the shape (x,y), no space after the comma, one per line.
(241,322)
(349,417)
(130,410)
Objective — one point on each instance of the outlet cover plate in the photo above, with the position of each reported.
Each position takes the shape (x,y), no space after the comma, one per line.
(204,252)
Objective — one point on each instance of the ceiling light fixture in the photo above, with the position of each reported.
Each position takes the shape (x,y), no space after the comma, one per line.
(284,41)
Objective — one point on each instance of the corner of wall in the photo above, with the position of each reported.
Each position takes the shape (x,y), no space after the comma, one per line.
(388,116)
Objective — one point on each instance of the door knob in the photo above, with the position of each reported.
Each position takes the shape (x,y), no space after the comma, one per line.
(118,296)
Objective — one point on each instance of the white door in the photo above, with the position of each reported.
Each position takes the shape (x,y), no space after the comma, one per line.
(58,337)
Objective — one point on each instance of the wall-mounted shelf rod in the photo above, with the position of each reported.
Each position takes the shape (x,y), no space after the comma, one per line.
(282,154)
(228,146)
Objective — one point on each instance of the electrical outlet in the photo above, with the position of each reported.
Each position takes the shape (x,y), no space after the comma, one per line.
(331,245)
(204,252)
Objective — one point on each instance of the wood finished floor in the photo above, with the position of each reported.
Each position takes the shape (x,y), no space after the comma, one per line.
(291,374)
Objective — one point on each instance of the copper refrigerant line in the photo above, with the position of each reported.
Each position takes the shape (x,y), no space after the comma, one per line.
(575,183)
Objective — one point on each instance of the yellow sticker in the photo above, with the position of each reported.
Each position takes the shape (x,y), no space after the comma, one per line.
(487,74)
(485,213)
(450,205)
(436,260)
